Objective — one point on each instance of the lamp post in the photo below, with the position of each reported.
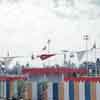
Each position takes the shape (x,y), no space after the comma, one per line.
(86,38)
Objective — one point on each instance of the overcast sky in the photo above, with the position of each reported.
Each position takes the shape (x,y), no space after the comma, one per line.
(25,25)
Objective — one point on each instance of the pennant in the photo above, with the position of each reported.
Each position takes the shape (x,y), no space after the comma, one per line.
(45,56)
(80,55)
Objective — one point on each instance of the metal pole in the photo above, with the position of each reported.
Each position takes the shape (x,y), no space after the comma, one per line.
(95,63)
(87,52)
(96,68)
(64,59)
(64,55)
(48,43)
(86,38)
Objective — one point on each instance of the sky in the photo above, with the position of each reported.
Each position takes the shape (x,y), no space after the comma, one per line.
(26,25)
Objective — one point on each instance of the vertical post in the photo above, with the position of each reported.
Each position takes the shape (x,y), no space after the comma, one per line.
(96,69)
(64,59)
(86,38)
(64,55)
(48,43)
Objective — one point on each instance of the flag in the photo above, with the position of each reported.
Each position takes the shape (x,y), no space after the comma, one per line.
(45,56)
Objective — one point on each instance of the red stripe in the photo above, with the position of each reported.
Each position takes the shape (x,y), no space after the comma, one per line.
(53,70)
(84,79)
(12,78)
